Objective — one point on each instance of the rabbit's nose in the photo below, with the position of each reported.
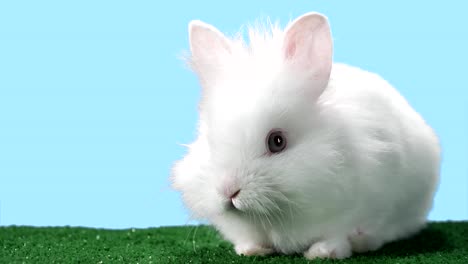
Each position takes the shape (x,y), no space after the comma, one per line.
(233,202)
(230,188)
(234,194)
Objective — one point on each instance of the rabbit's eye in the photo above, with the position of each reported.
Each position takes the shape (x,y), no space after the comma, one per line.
(276,141)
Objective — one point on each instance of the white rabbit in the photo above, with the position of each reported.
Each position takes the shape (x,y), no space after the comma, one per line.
(296,154)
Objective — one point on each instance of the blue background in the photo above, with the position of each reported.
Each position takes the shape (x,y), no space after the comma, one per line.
(93,97)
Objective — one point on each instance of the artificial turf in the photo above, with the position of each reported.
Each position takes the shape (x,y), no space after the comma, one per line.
(440,242)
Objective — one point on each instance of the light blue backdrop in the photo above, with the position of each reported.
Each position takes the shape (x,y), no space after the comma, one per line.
(93,98)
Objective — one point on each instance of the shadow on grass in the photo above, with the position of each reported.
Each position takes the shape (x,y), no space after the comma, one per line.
(427,241)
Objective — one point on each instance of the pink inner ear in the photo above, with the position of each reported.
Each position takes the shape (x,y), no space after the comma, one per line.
(290,49)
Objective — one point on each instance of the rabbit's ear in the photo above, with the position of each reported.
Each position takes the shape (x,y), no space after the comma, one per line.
(208,48)
(308,48)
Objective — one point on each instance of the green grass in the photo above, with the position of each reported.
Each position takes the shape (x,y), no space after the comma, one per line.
(444,242)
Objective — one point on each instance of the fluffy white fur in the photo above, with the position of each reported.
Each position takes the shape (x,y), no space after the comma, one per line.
(361,166)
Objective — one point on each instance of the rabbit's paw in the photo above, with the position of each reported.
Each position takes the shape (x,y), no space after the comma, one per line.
(332,249)
(252,250)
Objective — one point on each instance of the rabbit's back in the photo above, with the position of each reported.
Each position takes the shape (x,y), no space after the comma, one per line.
(393,152)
